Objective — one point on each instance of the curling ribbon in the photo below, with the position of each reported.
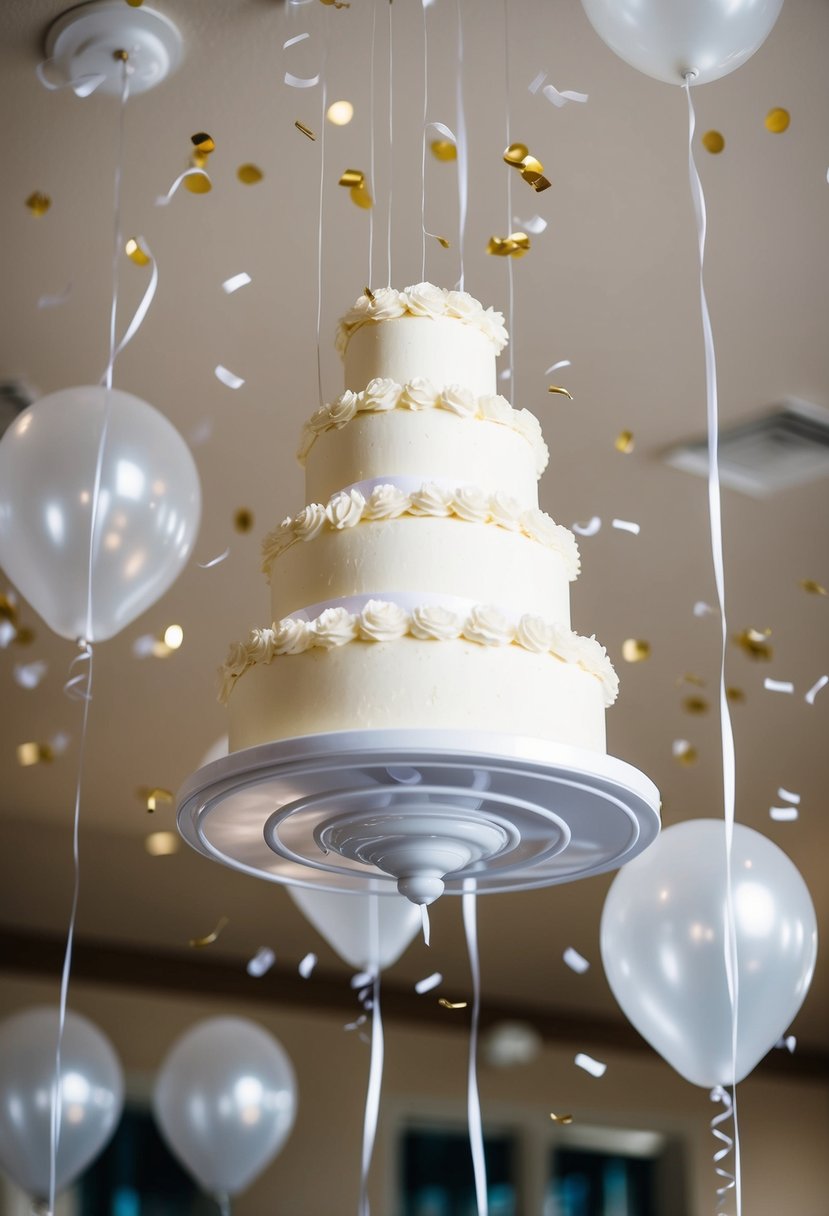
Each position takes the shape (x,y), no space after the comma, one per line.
(719,1094)
(375,1072)
(726,733)
(476,1132)
(140,313)
(81,86)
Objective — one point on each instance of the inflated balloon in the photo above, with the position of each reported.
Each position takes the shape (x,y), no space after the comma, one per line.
(668,38)
(92,1097)
(663,940)
(225,1101)
(148,509)
(369,932)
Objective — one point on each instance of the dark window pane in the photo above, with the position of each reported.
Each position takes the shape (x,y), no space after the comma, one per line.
(437,1177)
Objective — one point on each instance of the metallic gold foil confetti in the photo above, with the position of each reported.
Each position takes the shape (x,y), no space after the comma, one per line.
(690,678)
(624,442)
(38,203)
(635,650)
(135,253)
(515,153)
(300,126)
(249,175)
(203,143)
(696,705)
(713,142)
(209,938)
(162,844)
(555,388)
(515,245)
(340,113)
(518,156)
(442,1001)
(444,150)
(154,796)
(197,183)
(444,244)
(735,695)
(561,1118)
(352,177)
(34,753)
(24,636)
(361,197)
(777,120)
(369,294)
(753,642)
(684,752)
(355,181)
(135,3)
(812,588)
(337,3)
(243,520)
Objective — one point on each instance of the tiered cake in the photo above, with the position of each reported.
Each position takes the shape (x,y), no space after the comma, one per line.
(421,586)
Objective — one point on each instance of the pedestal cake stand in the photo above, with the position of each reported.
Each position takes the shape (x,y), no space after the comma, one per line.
(418,811)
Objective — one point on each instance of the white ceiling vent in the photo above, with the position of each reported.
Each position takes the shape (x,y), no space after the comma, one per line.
(786,447)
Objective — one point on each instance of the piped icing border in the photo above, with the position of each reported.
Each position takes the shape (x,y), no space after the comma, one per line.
(386,621)
(381,395)
(347,508)
(422,300)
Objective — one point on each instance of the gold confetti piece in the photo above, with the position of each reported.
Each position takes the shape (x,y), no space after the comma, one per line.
(369,294)
(135,3)
(135,253)
(624,442)
(635,650)
(338,3)
(305,130)
(561,1118)
(695,705)
(203,143)
(556,388)
(243,520)
(777,120)
(690,678)
(753,643)
(161,844)
(352,177)
(209,938)
(531,165)
(444,150)
(340,113)
(736,695)
(515,245)
(809,585)
(153,796)
(34,753)
(684,753)
(442,241)
(249,175)
(515,153)
(24,636)
(8,609)
(198,183)
(713,142)
(361,197)
(451,1004)
(38,203)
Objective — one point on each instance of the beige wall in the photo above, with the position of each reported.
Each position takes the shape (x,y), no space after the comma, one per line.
(784,1127)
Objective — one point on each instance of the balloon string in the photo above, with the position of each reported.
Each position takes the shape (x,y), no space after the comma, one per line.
(510,265)
(719,1094)
(726,733)
(424,8)
(372,152)
(116,208)
(391,136)
(476,1133)
(223,1203)
(375,1072)
(320,216)
(463,164)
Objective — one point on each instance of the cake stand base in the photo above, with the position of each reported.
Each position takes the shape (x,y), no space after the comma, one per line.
(418,811)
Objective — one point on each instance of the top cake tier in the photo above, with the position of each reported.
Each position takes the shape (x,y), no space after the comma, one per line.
(445,337)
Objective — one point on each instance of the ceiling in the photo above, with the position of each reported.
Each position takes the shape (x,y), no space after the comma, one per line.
(611,285)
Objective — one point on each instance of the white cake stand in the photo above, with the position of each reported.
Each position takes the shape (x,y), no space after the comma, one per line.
(418,811)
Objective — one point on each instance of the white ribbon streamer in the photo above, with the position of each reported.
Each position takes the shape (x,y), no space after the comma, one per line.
(727,737)
(140,313)
(626,525)
(560,99)
(424,924)
(227,377)
(428,983)
(788,796)
(463,157)
(298,82)
(293,41)
(809,697)
(589,529)
(375,1072)
(731,1182)
(473,1101)
(81,86)
(164,199)
(778,685)
(214,561)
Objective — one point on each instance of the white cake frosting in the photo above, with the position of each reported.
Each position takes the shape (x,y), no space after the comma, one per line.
(421,586)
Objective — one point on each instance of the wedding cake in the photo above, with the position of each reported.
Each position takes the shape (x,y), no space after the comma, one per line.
(421,586)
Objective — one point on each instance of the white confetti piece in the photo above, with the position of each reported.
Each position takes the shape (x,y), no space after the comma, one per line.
(589,529)
(227,377)
(363,995)
(163,200)
(7,634)
(680,747)
(361,979)
(201,432)
(236,281)
(788,796)
(809,698)
(307,965)
(535,225)
(29,675)
(299,82)
(703,609)
(355,1025)
(59,742)
(787,1043)
(293,41)
(214,561)
(594,1067)
(261,963)
(626,525)
(778,685)
(443,130)
(783,814)
(55,301)
(506,374)
(144,646)
(428,983)
(575,961)
(555,367)
(537,81)
(560,99)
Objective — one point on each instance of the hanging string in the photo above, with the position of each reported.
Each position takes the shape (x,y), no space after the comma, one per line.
(715,521)
(320,214)
(463,164)
(370,279)
(116,209)
(391,136)
(473,1101)
(508,229)
(424,9)
(375,1072)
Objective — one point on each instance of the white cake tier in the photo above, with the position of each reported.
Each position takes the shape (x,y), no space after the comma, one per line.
(441,349)
(412,683)
(451,557)
(430,445)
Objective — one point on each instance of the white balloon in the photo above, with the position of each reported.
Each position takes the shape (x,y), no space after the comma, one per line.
(667,38)
(92,1097)
(225,1101)
(367,931)
(663,938)
(149,505)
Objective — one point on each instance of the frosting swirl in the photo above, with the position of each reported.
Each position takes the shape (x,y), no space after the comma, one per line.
(386,502)
(431,500)
(432,622)
(292,636)
(488,626)
(381,621)
(345,509)
(342,410)
(419,394)
(471,504)
(309,522)
(459,400)
(333,627)
(422,300)
(534,633)
(380,394)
